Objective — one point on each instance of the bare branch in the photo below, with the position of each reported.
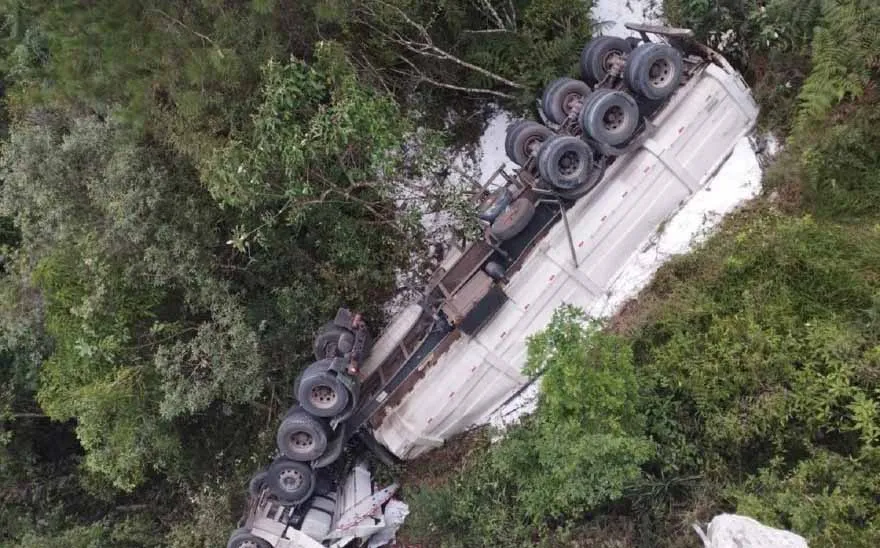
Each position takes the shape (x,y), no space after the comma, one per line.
(426,47)
(422,77)
(510,14)
(182,24)
(486,31)
(486,7)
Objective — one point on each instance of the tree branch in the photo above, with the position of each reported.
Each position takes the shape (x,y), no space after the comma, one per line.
(182,24)
(486,31)
(490,10)
(422,77)
(426,46)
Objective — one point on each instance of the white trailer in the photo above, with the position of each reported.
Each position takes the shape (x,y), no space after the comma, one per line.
(695,133)
(589,191)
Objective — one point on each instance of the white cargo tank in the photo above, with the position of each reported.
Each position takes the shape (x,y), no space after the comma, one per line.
(695,133)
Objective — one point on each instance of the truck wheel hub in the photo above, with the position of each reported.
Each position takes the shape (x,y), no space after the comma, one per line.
(569,163)
(660,73)
(613,118)
(302,440)
(291,480)
(323,396)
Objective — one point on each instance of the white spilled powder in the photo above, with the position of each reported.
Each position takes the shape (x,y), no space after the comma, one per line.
(738,180)
(611,15)
(491,152)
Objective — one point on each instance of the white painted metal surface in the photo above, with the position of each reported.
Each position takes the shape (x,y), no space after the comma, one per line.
(356,514)
(697,131)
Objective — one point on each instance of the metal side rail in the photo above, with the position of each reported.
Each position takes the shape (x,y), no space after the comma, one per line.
(439,330)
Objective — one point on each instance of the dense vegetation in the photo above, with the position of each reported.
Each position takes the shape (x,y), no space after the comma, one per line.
(189,189)
(747,377)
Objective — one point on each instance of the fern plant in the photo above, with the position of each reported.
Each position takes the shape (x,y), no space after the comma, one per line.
(844,58)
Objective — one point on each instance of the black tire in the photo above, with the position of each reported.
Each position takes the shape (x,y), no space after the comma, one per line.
(610,117)
(242,538)
(513,220)
(598,55)
(563,98)
(256,484)
(492,205)
(654,71)
(302,437)
(510,136)
(335,448)
(333,341)
(320,366)
(291,482)
(526,139)
(322,394)
(583,190)
(381,452)
(565,162)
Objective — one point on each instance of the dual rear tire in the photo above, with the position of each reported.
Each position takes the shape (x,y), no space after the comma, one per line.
(290,481)
(524,139)
(242,538)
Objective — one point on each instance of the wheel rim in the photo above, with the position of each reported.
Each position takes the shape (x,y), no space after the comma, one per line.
(531,145)
(323,396)
(291,480)
(302,442)
(613,118)
(572,103)
(248,544)
(661,73)
(610,59)
(569,163)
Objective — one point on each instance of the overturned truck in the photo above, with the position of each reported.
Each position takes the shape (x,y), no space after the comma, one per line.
(620,150)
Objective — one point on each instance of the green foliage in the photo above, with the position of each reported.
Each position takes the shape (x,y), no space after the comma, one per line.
(844,58)
(177,209)
(839,171)
(208,526)
(583,449)
(488,49)
(318,138)
(829,498)
(92,375)
(113,263)
(588,377)
(742,29)
(124,533)
(769,41)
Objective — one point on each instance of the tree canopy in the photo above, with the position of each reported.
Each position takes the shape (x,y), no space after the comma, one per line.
(189,189)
